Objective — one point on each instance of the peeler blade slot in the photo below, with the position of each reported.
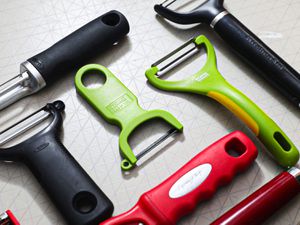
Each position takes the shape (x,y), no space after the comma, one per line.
(172,53)
(156,143)
(168,3)
(152,138)
(22,126)
(187,6)
(179,59)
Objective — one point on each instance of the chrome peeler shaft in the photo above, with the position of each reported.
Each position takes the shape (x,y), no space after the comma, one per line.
(27,82)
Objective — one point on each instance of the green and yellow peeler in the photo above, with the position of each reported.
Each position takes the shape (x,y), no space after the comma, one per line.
(208,81)
(118,105)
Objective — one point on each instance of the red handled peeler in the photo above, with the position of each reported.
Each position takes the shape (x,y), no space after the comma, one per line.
(262,204)
(196,181)
(8,218)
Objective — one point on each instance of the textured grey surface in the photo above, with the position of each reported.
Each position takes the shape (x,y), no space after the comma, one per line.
(29,26)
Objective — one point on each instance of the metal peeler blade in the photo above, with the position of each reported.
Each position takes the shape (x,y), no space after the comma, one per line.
(192,50)
(187,5)
(156,143)
(22,126)
(26,124)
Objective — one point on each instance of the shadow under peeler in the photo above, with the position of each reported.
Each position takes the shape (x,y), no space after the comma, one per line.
(255,52)
(73,192)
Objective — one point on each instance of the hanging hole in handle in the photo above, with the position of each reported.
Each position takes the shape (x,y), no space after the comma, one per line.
(111,19)
(93,79)
(125,164)
(282,141)
(84,202)
(235,148)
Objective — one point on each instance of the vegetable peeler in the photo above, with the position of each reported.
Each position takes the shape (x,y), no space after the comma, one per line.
(72,191)
(8,218)
(254,51)
(208,81)
(194,182)
(118,105)
(65,56)
(263,203)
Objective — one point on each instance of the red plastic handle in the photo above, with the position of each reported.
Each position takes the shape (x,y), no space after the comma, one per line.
(259,206)
(194,182)
(12,218)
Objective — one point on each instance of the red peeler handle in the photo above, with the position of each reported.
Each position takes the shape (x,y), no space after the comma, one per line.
(263,203)
(8,218)
(12,218)
(194,182)
(200,177)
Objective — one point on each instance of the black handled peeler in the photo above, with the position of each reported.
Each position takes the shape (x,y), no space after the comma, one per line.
(212,12)
(65,56)
(73,192)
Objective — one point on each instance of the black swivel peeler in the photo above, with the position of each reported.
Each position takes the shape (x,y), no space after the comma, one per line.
(71,189)
(212,12)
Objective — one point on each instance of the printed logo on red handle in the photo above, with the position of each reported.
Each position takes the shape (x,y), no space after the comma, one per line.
(190,181)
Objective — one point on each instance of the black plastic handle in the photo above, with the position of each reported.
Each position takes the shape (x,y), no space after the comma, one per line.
(272,67)
(74,50)
(71,189)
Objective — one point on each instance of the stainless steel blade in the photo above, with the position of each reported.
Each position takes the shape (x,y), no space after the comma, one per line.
(22,126)
(178,60)
(160,140)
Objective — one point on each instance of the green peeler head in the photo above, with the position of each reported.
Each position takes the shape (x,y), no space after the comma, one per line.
(118,105)
(201,83)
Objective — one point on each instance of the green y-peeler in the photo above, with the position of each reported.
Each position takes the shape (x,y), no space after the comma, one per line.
(118,105)
(208,81)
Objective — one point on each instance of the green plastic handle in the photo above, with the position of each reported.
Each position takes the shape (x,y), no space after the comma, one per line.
(208,81)
(118,105)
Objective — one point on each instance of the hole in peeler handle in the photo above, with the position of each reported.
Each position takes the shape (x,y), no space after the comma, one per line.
(126,165)
(282,141)
(111,19)
(235,148)
(84,202)
(93,79)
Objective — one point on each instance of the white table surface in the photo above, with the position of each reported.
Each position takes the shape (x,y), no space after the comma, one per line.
(30,26)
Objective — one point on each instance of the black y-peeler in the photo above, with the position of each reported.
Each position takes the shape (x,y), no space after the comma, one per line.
(273,68)
(71,189)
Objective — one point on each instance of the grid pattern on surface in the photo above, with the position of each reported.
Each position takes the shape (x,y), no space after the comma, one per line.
(29,26)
